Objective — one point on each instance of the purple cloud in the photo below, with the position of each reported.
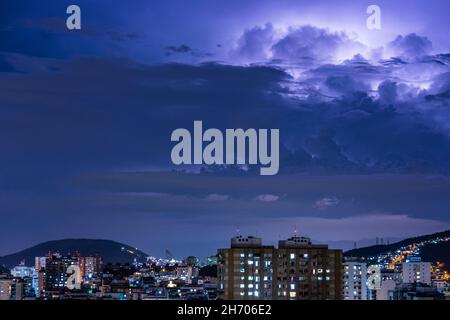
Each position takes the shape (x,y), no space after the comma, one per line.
(411,46)
(254,44)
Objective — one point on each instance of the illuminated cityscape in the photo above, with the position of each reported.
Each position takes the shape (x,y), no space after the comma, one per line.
(137,137)
(248,270)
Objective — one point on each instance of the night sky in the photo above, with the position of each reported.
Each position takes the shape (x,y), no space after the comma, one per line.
(86,117)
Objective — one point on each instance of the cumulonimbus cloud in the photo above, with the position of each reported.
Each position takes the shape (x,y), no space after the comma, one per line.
(297,44)
(410,46)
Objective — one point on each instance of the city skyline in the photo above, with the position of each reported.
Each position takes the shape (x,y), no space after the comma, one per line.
(246,269)
(86,117)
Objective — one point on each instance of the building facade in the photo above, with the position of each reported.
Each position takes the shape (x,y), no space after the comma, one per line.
(5,287)
(355,281)
(90,266)
(416,272)
(296,270)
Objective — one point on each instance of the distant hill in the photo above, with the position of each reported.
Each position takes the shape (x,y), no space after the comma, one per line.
(430,252)
(110,251)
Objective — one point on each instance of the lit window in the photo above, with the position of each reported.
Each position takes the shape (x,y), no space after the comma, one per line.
(292,256)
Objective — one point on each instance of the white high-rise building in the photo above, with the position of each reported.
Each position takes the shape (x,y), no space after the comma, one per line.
(355,278)
(419,272)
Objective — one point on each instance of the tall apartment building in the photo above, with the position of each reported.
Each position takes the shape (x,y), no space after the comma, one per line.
(39,266)
(90,266)
(416,272)
(5,286)
(246,270)
(296,270)
(15,288)
(355,281)
(55,275)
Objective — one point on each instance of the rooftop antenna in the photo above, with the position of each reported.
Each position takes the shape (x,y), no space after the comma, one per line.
(237,230)
(295,231)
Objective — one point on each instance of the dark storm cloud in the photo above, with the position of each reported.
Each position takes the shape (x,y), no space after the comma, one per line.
(331,119)
(116,114)
(91,113)
(411,46)
(178,49)
(84,127)
(185,50)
